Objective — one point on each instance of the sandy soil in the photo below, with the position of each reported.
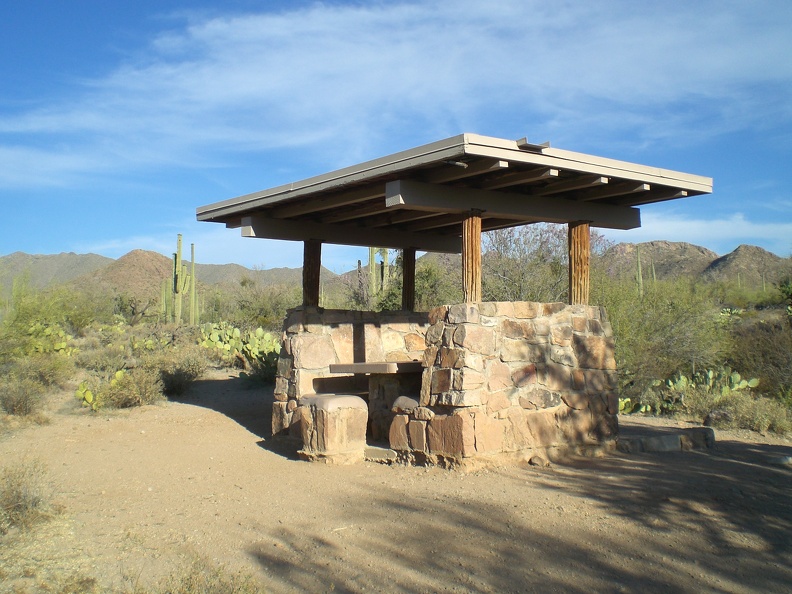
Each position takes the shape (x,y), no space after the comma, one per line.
(143,491)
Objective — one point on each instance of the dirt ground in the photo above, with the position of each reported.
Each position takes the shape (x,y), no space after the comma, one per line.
(143,491)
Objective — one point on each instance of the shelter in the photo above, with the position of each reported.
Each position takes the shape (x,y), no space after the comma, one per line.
(440,197)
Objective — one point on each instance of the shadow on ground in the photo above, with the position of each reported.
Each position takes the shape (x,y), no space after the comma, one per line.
(718,520)
(241,399)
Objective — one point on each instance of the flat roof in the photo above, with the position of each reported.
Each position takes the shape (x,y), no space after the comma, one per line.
(418,198)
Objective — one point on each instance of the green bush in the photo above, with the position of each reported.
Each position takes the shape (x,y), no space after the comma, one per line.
(738,410)
(21,396)
(763,349)
(125,389)
(51,370)
(24,495)
(674,327)
(177,367)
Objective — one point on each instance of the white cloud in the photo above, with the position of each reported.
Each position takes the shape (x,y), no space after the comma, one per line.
(344,78)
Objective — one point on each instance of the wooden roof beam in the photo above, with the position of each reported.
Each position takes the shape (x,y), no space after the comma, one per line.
(439,222)
(268,228)
(515,178)
(568,185)
(356,212)
(396,217)
(609,191)
(306,207)
(657,195)
(457,171)
(414,195)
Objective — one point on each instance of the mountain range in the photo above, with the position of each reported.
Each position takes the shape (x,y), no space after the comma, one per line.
(140,273)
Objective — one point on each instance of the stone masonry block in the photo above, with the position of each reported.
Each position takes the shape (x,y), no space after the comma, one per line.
(414,341)
(441,381)
(517,328)
(498,375)
(520,350)
(594,352)
(398,437)
(392,341)
(559,377)
(437,314)
(313,351)
(524,375)
(563,356)
(342,338)
(579,324)
(462,313)
(526,309)
(543,427)
(538,398)
(561,335)
(417,434)
(475,338)
(434,335)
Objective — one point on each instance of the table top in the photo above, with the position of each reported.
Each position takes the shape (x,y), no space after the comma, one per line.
(378,367)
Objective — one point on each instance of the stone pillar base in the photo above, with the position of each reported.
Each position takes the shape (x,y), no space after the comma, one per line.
(333,428)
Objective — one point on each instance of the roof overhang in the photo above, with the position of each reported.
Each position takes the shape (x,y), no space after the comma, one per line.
(418,198)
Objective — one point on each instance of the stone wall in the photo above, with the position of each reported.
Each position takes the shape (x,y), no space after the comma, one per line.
(314,338)
(511,378)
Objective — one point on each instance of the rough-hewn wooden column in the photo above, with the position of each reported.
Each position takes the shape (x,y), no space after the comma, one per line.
(408,279)
(471,257)
(579,262)
(312,268)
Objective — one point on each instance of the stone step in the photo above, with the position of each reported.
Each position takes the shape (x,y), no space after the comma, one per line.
(696,438)
(380,454)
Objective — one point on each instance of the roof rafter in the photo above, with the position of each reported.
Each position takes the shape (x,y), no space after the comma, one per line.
(420,196)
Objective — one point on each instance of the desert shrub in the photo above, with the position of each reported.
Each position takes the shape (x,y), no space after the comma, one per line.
(763,349)
(48,369)
(177,367)
(127,388)
(24,495)
(673,327)
(738,410)
(21,396)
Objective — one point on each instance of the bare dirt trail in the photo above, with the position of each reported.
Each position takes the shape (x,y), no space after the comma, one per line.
(145,490)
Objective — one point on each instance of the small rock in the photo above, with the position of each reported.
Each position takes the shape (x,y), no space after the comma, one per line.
(717,417)
(782,461)
(538,461)
(404,404)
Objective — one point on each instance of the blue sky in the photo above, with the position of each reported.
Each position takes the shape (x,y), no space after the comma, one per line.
(118,119)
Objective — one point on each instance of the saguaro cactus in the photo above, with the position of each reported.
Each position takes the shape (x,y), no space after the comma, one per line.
(182,281)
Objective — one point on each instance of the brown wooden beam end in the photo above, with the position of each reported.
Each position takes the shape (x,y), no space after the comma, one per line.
(408,279)
(579,262)
(312,268)
(471,258)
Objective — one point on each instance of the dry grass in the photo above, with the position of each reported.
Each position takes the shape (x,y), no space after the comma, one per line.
(24,495)
(21,396)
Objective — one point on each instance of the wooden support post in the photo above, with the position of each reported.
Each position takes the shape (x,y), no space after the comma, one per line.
(579,262)
(312,267)
(471,257)
(408,279)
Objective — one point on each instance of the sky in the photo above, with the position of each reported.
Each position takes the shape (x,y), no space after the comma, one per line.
(118,119)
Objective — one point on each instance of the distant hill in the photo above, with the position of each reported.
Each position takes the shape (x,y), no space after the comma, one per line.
(749,265)
(42,271)
(139,273)
(670,259)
